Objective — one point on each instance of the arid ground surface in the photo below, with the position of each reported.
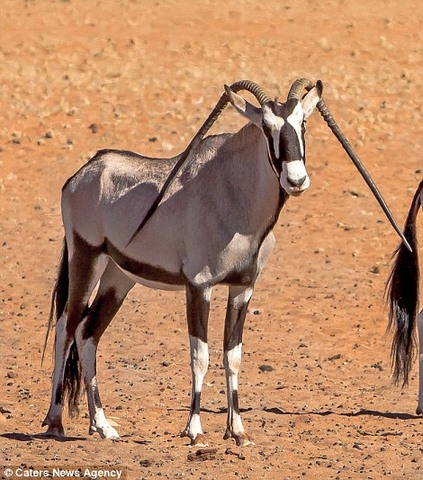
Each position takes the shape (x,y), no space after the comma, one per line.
(77,76)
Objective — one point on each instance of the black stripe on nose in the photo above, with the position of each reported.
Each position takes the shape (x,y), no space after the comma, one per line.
(289,143)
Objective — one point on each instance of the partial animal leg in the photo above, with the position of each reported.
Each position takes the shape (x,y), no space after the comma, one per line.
(62,344)
(113,288)
(236,312)
(419,410)
(86,266)
(198,307)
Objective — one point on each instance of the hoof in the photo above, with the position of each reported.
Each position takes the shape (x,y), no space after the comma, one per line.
(56,431)
(419,410)
(199,440)
(242,439)
(105,432)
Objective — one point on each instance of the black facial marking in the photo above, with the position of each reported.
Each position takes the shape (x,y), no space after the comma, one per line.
(276,163)
(289,144)
(303,129)
(283,110)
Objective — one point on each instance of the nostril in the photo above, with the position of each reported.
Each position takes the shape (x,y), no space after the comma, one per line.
(297,182)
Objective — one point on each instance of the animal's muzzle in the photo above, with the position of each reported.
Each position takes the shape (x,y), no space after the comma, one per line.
(294,179)
(297,182)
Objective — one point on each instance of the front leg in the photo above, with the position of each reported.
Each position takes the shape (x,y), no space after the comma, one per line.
(236,312)
(198,307)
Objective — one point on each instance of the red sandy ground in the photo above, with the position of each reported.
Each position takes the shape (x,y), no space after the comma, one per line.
(146,74)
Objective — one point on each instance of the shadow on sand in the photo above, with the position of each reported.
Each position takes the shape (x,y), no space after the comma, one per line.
(361,412)
(25,437)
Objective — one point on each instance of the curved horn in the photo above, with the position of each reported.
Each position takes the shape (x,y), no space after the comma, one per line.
(327,116)
(298,87)
(251,87)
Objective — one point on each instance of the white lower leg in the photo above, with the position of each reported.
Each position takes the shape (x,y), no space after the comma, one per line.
(87,349)
(199,366)
(98,420)
(238,300)
(232,363)
(420,335)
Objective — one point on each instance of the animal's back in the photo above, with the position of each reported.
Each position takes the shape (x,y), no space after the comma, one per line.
(124,167)
(111,193)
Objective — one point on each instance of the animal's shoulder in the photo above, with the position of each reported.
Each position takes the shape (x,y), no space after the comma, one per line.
(121,166)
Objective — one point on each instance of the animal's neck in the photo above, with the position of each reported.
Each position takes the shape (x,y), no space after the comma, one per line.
(253,178)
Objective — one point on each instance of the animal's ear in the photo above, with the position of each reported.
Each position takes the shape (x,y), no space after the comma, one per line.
(248,110)
(312,99)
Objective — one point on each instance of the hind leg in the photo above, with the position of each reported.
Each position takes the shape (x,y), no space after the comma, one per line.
(113,288)
(419,410)
(62,343)
(86,265)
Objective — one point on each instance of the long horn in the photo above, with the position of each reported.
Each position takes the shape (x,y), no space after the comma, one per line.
(299,87)
(251,87)
(327,116)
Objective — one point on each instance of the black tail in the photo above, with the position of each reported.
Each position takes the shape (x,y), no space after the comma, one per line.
(402,294)
(72,381)
(72,377)
(59,296)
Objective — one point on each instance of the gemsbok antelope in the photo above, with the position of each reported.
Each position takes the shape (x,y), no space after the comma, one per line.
(207,219)
(403,300)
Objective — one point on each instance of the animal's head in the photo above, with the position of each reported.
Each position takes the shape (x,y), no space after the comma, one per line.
(283,126)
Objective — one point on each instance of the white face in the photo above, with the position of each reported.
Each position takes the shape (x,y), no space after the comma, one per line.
(283,126)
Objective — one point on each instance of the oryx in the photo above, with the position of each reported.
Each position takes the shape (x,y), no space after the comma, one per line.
(207,219)
(214,226)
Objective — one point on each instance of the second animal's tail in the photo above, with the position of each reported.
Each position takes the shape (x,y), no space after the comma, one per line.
(402,294)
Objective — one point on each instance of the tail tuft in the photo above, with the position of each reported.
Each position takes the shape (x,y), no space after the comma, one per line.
(73,385)
(402,294)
